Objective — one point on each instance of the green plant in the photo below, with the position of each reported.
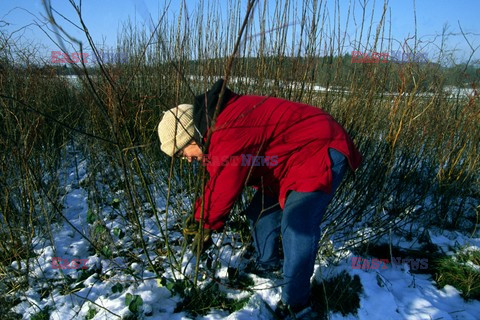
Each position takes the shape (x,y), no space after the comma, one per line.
(199,301)
(91,313)
(117,288)
(7,302)
(101,238)
(44,314)
(118,232)
(472,255)
(91,217)
(453,271)
(239,280)
(338,294)
(134,303)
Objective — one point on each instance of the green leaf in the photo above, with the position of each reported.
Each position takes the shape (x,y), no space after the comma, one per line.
(106,251)
(100,229)
(161,282)
(128,299)
(91,217)
(170,285)
(134,302)
(91,313)
(84,274)
(118,232)
(116,203)
(117,288)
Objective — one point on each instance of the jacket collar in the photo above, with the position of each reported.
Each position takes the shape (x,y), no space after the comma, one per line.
(204,109)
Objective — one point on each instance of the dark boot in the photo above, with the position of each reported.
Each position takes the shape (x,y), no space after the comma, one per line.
(287,312)
(270,271)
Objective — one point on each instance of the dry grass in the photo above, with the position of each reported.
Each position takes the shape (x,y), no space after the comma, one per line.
(417,146)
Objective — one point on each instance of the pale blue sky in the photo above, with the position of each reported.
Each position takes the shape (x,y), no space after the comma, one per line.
(105,17)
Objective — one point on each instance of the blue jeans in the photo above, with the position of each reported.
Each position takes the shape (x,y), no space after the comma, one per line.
(299,224)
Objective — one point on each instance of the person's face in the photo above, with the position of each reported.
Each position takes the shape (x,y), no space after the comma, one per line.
(192,152)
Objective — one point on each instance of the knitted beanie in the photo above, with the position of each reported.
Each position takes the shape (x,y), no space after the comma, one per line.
(176,129)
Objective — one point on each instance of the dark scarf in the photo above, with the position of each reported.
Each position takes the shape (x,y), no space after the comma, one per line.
(204,109)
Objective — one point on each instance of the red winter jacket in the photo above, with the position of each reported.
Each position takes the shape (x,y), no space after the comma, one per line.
(296,135)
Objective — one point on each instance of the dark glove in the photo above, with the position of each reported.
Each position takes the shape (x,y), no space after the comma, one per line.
(202,242)
(191,229)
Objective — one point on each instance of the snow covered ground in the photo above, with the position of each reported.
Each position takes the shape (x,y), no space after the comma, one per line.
(451,92)
(392,293)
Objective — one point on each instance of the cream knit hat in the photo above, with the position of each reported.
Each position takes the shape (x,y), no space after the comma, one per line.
(181,119)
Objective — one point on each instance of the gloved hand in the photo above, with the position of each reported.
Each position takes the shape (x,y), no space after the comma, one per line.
(190,227)
(200,242)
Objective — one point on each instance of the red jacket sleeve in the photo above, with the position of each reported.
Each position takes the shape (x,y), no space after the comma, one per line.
(225,185)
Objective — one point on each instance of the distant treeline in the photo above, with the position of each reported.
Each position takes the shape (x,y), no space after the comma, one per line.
(325,71)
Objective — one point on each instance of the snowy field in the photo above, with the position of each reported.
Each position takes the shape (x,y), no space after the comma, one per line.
(451,92)
(391,293)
